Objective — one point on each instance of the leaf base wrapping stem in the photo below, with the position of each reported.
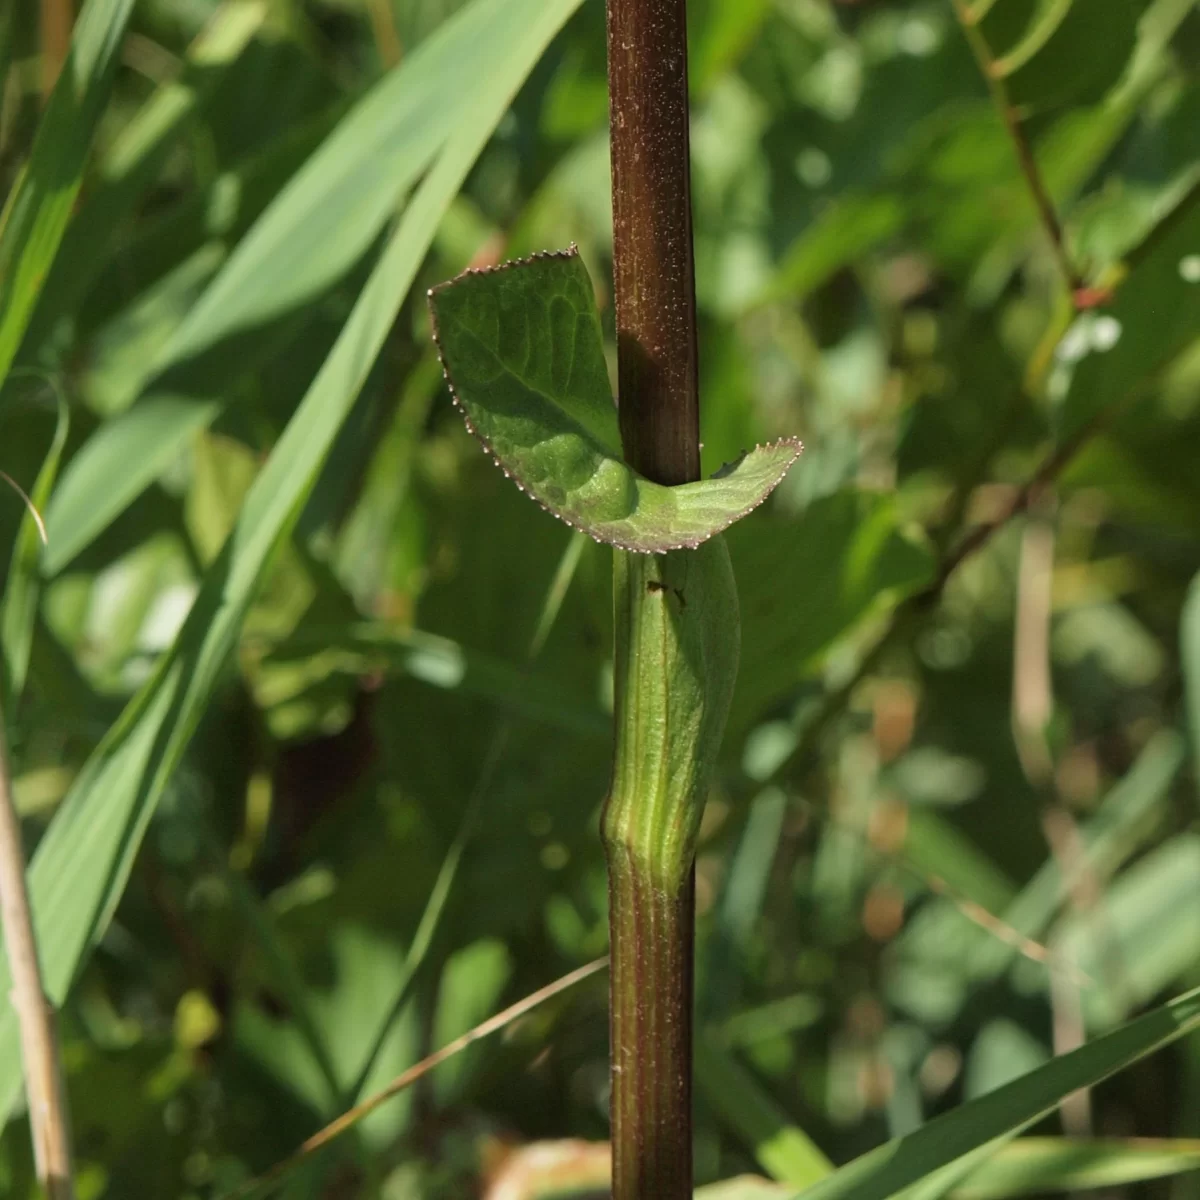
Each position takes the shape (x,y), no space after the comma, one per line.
(675,662)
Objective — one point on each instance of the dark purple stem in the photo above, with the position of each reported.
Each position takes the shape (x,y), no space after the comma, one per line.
(652,930)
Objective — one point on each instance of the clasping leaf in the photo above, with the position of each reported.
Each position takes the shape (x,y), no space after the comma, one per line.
(524,358)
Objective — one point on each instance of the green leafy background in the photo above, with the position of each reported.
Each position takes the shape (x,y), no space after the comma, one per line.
(309,707)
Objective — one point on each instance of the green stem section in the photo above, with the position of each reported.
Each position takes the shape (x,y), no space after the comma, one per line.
(676,652)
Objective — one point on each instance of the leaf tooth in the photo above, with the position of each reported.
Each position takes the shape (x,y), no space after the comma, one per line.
(572,251)
(793,443)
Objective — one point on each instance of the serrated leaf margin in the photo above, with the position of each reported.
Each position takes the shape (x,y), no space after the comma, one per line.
(572,252)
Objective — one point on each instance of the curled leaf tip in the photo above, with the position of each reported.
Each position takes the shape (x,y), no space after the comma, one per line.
(29,505)
(794,444)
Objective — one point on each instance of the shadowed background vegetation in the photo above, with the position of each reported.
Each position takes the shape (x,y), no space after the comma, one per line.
(309,709)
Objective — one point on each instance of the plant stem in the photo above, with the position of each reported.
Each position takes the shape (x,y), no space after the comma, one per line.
(1026,160)
(49,1127)
(652,238)
(651,912)
(652,938)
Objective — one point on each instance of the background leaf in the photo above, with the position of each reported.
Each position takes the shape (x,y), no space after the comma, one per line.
(19,604)
(81,866)
(38,207)
(279,632)
(939,1144)
(336,205)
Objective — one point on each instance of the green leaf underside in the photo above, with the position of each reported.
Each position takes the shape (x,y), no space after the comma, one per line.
(523,354)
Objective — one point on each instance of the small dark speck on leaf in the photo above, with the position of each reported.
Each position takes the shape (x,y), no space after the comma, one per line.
(655,585)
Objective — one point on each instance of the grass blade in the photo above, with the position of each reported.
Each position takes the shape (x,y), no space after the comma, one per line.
(938,1146)
(132,162)
(781,1146)
(1036,1165)
(19,604)
(39,207)
(1189,637)
(334,207)
(82,864)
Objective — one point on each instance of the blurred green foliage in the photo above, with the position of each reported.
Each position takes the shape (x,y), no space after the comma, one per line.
(304,805)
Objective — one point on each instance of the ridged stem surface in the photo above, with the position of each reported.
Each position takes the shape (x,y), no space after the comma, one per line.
(676,652)
(652,238)
(652,815)
(651,971)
